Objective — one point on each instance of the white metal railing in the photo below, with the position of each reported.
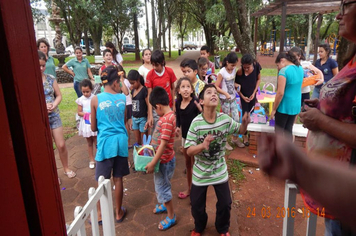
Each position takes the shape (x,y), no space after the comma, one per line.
(290,196)
(103,194)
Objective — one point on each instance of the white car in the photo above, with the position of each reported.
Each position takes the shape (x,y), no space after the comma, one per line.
(70,49)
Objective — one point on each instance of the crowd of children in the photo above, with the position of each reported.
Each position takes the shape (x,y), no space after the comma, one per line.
(149,101)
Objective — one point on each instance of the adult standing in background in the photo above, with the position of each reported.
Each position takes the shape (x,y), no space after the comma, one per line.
(330,118)
(81,69)
(327,65)
(43,46)
(116,55)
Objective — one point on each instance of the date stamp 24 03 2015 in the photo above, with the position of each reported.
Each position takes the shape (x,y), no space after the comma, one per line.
(281,212)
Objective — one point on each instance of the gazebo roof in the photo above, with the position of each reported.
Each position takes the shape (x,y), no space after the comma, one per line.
(299,7)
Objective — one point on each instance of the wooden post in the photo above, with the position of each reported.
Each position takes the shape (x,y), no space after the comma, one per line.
(255,36)
(316,43)
(283,26)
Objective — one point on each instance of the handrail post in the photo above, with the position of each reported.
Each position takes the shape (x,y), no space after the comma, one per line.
(290,196)
(107,207)
(93,214)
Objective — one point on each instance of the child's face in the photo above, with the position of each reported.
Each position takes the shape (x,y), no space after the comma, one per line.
(78,54)
(146,56)
(247,68)
(158,110)
(43,48)
(86,91)
(231,66)
(211,98)
(157,67)
(42,65)
(134,84)
(108,57)
(205,54)
(190,73)
(185,89)
(203,70)
(281,63)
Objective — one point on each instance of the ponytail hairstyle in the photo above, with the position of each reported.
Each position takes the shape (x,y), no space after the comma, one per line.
(133,75)
(179,97)
(247,59)
(326,48)
(298,52)
(289,56)
(230,58)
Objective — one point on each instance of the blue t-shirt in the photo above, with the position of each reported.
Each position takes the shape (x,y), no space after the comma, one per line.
(112,137)
(292,97)
(327,69)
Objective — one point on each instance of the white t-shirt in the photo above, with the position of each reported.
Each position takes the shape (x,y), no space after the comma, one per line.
(305,65)
(128,97)
(143,71)
(119,58)
(228,82)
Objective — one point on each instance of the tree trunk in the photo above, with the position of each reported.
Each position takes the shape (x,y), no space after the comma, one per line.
(147,26)
(209,39)
(309,40)
(154,33)
(86,41)
(137,45)
(169,40)
(96,32)
(342,52)
(241,31)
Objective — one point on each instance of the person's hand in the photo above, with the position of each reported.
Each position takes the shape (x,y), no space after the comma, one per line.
(273,113)
(73,74)
(177,131)
(146,125)
(149,122)
(252,96)
(312,102)
(49,107)
(228,97)
(207,141)
(150,168)
(246,99)
(130,125)
(198,106)
(276,156)
(319,82)
(310,118)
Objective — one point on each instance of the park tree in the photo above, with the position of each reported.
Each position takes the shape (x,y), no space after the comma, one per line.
(236,12)
(171,9)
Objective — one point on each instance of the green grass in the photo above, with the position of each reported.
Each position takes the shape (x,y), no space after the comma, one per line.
(235,170)
(68,109)
(269,72)
(91,59)
(131,56)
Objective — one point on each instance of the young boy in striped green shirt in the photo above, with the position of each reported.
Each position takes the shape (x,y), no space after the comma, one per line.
(206,140)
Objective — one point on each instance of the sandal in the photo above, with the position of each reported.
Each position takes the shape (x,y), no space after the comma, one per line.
(182,195)
(123,216)
(70,174)
(160,209)
(168,225)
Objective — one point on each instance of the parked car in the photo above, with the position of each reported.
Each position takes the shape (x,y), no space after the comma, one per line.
(70,49)
(128,48)
(189,45)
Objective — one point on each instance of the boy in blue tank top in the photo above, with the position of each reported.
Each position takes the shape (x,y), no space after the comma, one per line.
(108,110)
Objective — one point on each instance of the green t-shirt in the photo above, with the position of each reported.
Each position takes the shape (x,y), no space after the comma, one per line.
(80,69)
(209,166)
(291,101)
(50,67)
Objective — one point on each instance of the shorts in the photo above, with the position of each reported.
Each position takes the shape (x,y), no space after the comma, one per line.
(162,180)
(128,111)
(55,121)
(117,165)
(138,123)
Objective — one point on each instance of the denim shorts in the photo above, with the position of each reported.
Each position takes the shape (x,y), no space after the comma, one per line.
(118,165)
(55,121)
(138,123)
(162,181)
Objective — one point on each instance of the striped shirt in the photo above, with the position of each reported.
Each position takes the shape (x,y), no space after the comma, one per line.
(209,166)
(165,130)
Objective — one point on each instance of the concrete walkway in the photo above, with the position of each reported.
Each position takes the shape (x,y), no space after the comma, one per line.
(140,198)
